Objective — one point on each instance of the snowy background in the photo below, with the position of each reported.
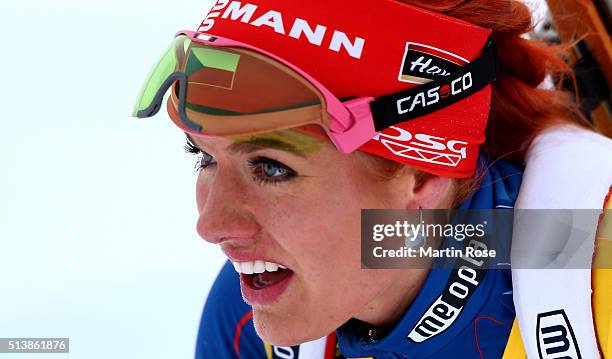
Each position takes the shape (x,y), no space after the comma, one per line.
(97,209)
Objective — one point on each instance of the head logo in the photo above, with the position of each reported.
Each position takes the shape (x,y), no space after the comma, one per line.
(424,99)
(422,147)
(424,63)
(555,336)
(275,20)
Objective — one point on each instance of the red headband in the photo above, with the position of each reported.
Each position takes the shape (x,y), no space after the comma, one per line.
(374,48)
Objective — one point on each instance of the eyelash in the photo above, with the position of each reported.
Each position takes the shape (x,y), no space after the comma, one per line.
(199,154)
(255,164)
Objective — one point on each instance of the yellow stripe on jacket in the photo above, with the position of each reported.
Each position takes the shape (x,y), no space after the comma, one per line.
(602,283)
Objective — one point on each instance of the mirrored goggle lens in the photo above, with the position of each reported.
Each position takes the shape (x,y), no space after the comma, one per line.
(233,90)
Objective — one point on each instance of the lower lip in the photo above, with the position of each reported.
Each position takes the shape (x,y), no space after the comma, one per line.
(264,296)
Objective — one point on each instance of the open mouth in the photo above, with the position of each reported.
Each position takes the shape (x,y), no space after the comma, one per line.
(259,274)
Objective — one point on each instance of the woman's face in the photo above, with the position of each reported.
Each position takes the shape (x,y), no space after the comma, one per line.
(294,200)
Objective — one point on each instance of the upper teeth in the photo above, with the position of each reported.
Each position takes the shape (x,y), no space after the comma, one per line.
(256,267)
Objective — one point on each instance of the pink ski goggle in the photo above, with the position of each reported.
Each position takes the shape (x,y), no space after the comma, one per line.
(222,87)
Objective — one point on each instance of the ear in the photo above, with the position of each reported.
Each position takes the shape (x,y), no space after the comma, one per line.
(432,192)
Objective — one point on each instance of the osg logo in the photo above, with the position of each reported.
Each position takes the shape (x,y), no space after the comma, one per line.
(423,147)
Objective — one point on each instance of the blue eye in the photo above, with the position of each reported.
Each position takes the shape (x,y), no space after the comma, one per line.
(273,170)
(264,170)
(267,170)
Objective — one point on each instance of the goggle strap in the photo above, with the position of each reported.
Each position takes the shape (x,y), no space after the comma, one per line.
(400,107)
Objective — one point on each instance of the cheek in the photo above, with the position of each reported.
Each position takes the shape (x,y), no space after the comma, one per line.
(319,235)
(320,230)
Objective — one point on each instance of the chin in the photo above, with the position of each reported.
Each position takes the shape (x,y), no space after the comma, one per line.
(284,331)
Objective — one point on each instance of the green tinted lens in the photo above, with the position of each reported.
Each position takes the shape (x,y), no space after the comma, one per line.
(211,58)
(167,65)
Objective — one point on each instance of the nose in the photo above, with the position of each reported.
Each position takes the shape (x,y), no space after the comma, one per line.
(224,210)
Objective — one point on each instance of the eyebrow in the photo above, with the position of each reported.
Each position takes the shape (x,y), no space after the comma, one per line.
(258,143)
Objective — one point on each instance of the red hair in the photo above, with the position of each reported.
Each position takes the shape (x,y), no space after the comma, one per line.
(520,109)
